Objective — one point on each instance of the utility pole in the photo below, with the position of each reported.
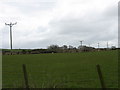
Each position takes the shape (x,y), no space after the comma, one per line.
(98,46)
(89,45)
(81,42)
(107,45)
(11,24)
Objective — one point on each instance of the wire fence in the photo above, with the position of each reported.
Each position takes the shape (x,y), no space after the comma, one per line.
(25,80)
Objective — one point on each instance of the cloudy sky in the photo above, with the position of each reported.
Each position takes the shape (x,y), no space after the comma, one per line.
(41,23)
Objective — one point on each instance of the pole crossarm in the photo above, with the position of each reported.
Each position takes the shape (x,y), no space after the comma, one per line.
(11,24)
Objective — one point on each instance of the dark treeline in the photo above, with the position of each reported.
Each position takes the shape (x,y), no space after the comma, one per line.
(54,49)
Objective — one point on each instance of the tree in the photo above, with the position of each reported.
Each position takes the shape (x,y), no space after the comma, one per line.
(53,47)
(71,47)
(64,47)
(23,51)
(113,47)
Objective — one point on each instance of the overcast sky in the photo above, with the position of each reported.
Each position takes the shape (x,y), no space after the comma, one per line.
(41,23)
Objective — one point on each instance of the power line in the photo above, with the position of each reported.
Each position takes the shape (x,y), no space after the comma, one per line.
(11,24)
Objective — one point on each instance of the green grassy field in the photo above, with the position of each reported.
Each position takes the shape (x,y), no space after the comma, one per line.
(63,70)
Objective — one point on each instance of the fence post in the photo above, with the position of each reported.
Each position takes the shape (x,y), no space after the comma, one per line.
(101,77)
(25,77)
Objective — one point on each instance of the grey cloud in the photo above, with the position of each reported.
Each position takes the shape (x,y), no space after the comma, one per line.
(32,7)
(103,28)
(111,11)
(93,27)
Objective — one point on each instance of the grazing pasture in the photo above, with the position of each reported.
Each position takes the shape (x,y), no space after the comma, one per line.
(61,70)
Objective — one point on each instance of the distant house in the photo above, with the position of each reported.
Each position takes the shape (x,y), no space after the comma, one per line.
(85,48)
(113,47)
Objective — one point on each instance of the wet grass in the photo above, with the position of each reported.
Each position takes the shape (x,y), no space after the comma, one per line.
(62,70)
